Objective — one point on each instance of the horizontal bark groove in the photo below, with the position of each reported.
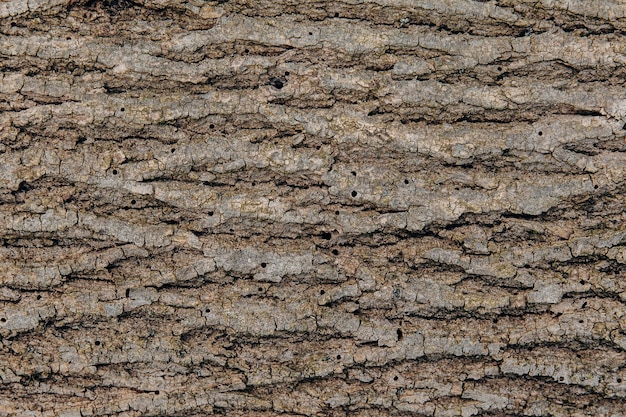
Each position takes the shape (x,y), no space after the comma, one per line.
(382,207)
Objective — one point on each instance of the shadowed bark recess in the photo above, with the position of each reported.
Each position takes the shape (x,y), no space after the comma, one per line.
(326,208)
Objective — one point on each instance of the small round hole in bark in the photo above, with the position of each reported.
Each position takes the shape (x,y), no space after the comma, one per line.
(246,51)
(172,150)
(115,172)
(581,321)
(561,378)
(406,181)
(286,73)
(596,186)
(335,252)
(211,213)
(207,310)
(322,292)
(3,320)
(211,126)
(260,289)
(336,14)
(122,109)
(263,264)
(97,343)
(395,378)
(353,173)
(619,380)
(133,201)
(354,193)
(326,235)
(540,133)
(310,33)
(39,297)
(338,356)
(276,83)
(336,212)
(499,68)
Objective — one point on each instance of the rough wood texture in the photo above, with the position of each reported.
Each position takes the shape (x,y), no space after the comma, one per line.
(327,208)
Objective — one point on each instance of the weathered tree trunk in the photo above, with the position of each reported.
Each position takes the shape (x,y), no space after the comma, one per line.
(328,208)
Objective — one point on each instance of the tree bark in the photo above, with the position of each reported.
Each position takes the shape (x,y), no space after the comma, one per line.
(327,208)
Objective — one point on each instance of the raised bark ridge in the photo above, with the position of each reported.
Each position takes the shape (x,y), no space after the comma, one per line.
(255,208)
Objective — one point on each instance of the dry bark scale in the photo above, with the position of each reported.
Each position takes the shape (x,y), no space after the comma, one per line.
(325,208)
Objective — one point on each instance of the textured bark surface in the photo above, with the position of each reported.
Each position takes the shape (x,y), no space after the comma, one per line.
(327,208)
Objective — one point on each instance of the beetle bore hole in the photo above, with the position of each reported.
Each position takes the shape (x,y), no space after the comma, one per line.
(133,201)
(322,292)
(3,320)
(115,172)
(561,378)
(336,212)
(276,83)
(581,321)
(246,51)
(326,235)
(260,289)
(336,14)
(173,150)
(596,186)
(263,264)
(310,33)
(97,343)
(338,356)
(540,133)
(619,380)
(122,109)
(39,297)
(207,310)
(286,73)
(406,181)
(211,213)
(354,193)
(335,252)
(395,378)
(157,392)
(211,126)
(353,173)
